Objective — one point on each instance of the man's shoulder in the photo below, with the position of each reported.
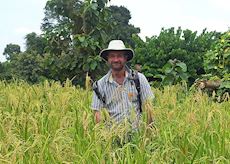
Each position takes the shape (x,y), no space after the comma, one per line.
(141,75)
(102,80)
(142,78)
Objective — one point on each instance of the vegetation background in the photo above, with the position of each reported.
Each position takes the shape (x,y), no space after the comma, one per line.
(53,123)
(74,32)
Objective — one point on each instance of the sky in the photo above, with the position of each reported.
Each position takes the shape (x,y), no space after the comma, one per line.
(20,17)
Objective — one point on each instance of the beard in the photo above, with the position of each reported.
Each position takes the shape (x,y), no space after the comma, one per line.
(117,66)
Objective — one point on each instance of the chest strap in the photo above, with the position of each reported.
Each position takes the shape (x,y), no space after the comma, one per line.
(96,90)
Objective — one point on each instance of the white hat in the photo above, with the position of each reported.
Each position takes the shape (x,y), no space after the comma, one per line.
(117,45)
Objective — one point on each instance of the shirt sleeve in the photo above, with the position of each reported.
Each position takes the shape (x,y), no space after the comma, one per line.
(146,91)
(97,104)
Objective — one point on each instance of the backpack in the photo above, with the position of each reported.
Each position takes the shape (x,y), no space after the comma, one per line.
(136,81)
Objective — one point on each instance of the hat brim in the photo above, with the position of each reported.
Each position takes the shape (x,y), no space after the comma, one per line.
(129,53)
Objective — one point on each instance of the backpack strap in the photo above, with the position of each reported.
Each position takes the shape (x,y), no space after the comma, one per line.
(136,80)
(96,90)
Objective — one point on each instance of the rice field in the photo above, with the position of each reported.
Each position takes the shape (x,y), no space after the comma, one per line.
(51,123)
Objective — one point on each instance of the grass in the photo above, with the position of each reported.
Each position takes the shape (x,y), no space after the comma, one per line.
(51,123)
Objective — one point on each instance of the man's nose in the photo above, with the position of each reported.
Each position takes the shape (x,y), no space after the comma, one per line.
(115,58)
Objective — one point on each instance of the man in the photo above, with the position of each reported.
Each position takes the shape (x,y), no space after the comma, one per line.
(117,91)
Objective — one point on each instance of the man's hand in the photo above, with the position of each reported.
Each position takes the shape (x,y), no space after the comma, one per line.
(150,117)
(97,116)
(148,109)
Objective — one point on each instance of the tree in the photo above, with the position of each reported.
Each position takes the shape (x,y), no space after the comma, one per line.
(76,31)
(27,66)
(217,60)
(35,43)
(183,45)
(11,50)
(121,27)
(5,71)
(73,33)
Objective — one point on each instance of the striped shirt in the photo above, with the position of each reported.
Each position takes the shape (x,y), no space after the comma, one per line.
(121,99)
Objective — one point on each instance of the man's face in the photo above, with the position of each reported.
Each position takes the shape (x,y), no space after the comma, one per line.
(117,60)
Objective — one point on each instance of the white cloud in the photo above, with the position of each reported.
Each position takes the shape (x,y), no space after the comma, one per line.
(26,30)
(221,4)
(195,15)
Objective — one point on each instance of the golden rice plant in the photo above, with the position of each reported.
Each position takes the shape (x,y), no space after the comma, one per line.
(53,123)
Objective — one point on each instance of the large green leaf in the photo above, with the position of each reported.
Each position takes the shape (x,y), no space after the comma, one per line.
(168,80)
(225,84)
(93,65)
(167,68)
(182,65)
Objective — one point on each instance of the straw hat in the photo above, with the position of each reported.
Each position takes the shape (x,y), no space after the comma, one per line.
(117,45)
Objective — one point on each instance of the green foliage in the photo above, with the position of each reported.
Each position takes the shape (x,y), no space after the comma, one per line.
(173,72)
(223,91)
(5,71)
(217,60)
(27,66)
(217,65)
(76,32)
(121,27)
(184,45)
(35,43)
(73,34)
(11,50)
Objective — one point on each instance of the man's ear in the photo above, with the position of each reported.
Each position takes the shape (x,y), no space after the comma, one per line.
(126,56)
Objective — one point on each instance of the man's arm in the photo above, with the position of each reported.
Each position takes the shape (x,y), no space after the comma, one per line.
(96,106)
